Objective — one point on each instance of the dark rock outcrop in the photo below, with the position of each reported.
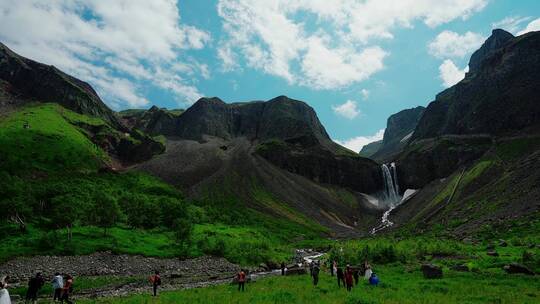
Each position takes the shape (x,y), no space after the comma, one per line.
(499,94)
(431,271)
(517,268)
(31,80)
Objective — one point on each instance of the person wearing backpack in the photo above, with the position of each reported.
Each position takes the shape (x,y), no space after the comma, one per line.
(34,285)
(155,279)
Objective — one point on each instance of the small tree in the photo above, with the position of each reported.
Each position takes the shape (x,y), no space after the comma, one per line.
(65,211)
(182,231)
(106,211)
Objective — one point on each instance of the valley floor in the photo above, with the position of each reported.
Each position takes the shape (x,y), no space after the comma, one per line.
(399,285)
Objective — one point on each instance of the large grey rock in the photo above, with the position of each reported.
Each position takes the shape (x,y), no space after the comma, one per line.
(517,268)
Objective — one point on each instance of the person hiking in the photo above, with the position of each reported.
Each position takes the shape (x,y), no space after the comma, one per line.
(241,280)
(283,268)
(368,272)
(155,279)
(373,280)
(315,274)
(67,289)
(34,285)
(57,284)
(340,277)
(349,278)
(4,293)
(356,274)
(333,268)
(311,268)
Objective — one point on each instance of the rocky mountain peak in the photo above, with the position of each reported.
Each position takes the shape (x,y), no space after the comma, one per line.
(498,39)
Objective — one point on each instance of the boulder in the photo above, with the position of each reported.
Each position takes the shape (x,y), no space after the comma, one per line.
(263,266)
(431,271)
(492,253)
(490,247)
(503,243)
(517,268)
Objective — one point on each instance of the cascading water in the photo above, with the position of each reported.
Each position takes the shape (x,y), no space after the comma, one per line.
(391,195)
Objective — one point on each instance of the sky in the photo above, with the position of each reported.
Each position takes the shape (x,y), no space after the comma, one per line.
(355,62)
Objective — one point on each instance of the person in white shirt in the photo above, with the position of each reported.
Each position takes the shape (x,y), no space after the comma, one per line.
(4,293)
(57,284)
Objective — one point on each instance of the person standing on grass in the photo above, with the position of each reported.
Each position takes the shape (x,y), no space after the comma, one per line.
(349,278)
(241,280)
(315,274)
(34,285)
(155,279)
(282,268)
(356,275)
(333,268)
(57,284)
(67,290)
(368,272)
(4,293)
(340,277)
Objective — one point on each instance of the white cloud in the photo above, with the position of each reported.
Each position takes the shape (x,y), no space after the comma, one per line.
(450,44)
(450,73)
(357,143)
(365,94)
(348,109)
(532,26)
(111,44)
(511,24)
(334,43)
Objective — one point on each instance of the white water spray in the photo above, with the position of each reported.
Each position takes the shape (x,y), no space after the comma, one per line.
(391,195)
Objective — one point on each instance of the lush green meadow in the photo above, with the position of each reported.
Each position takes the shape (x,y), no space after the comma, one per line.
(398,285)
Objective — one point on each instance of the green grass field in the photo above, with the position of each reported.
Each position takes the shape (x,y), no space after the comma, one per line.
(398,285)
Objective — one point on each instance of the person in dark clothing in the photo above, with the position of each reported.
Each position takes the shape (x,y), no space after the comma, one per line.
(349,278)
(356,276)
(155,279)
(241,280)
(315,274)
(282,268)
(340,277)
(34,285)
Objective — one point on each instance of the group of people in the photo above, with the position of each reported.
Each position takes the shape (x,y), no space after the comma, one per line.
(62,286)
(351,275)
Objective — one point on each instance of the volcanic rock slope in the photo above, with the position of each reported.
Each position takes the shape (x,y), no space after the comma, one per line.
(273,156)
(476,148)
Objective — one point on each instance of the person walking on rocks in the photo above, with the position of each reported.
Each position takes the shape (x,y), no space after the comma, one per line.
(155,279)
(241,280)
(340,277)
(4,293)
(349,278)
(67,290)
(57,285)
(34,285)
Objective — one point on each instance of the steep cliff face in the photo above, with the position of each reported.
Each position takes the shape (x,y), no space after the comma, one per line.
(398,132)
(31,80)
(499,94)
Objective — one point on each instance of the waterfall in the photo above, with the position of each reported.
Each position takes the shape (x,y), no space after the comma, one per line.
(390,195)
(391,187)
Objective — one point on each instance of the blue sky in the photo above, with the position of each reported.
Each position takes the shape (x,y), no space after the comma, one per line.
(354,61)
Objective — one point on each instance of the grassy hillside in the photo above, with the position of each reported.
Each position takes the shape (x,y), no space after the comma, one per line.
(56,200)
(43,138)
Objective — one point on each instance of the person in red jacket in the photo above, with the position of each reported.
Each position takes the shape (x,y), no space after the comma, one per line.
(349,278)
(155,279)
(67,290)
(241,280)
